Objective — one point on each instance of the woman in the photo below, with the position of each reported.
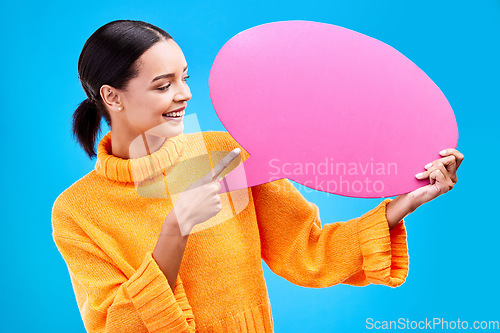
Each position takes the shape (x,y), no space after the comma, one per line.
(124,244)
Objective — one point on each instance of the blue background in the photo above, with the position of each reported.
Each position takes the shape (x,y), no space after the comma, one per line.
(453,240)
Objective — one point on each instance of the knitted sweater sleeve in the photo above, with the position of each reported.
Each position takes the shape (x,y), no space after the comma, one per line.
(357,252)
(110,301)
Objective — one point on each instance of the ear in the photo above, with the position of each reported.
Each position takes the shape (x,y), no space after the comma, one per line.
(111,98)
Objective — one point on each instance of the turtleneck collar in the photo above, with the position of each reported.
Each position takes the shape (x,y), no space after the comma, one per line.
(137,169)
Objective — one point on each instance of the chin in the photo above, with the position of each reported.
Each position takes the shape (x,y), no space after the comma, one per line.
(167,129)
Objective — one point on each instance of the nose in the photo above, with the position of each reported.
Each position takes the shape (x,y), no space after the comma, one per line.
(183,93)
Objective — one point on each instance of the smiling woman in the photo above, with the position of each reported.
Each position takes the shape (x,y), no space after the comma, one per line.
(133,94)
(157,95)
(124,247)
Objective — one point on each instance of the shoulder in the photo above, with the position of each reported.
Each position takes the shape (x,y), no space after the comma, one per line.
(74,210)
(71,203)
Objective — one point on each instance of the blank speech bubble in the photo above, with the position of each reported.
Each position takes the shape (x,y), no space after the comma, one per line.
(329,108)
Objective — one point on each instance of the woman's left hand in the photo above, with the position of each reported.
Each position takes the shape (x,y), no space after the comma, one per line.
(442,174)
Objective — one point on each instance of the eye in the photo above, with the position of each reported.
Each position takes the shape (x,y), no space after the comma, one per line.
(164,88)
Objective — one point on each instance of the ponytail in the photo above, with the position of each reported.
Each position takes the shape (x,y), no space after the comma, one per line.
(86,124)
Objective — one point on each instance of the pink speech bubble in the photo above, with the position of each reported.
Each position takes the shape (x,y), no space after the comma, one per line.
(329,108)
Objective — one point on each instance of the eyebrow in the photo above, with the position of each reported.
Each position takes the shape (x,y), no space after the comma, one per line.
(164,76)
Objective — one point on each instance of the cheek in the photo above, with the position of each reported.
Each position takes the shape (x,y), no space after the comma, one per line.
(150,105)
(164,103)
(153,104)
(160,98)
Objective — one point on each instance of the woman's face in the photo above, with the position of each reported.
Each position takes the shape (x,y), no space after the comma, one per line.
(160,88)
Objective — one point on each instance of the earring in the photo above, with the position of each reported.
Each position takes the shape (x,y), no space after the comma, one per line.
(119,108)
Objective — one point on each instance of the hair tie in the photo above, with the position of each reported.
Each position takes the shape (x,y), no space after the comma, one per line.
(88,90)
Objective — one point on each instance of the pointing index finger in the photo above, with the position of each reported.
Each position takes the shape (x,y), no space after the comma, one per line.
(224,163)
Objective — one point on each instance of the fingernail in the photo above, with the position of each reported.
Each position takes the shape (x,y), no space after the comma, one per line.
(237,150)
(419,175)
(427,166)
(442,152)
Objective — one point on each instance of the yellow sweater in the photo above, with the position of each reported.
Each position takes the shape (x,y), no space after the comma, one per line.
(106,230)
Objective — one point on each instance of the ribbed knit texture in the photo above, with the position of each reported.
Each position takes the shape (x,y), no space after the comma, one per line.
(106,228)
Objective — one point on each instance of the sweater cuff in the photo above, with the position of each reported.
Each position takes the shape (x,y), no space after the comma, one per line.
(153,298)
(384,251)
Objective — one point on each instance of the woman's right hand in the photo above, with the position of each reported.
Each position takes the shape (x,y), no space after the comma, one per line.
(200,201)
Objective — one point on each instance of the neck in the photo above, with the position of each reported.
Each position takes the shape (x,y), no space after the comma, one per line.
(136,146)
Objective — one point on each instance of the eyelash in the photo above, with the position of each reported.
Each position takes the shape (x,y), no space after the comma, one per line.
(167,86)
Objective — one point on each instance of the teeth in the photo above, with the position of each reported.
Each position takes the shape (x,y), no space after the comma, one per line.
(174,114)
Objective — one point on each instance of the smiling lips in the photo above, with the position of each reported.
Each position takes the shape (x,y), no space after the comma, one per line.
(175,114)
